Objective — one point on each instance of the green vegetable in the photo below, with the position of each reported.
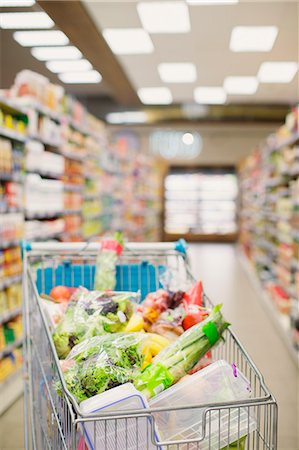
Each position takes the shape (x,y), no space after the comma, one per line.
(175,360)
(101,363)
(93,314)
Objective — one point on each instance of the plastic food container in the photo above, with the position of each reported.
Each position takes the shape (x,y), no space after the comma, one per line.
(103,434)
(219,382)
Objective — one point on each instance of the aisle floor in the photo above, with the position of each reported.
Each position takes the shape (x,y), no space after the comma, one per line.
(225,282)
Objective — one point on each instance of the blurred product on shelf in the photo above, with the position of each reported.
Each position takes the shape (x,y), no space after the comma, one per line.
(10,301)
(269,219)
(46,163)
(43,230)
(10,262)
(10,364)
(11,228)
(43,197)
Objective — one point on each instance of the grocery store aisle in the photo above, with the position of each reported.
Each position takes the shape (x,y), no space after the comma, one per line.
(225,281)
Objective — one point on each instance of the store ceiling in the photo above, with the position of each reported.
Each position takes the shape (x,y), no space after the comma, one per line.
(206,46)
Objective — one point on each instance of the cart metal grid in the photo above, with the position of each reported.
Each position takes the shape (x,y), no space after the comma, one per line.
(55,422)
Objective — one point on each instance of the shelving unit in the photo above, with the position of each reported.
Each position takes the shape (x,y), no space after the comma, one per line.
(269,223)
(76,185)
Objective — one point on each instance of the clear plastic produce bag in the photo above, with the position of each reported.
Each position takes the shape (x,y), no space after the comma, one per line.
(93,313)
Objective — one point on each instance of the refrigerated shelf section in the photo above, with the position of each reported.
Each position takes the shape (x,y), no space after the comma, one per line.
(201,203)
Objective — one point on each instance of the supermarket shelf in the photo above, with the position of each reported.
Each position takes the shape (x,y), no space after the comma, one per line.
(44,141)
(15,136)
(11,177)
(45,237)
(69,212)
(68,187)
(5,317)
(9,243)
(73,155)
(45,173)
(9,348)
(92,196)
(10,210)
(88,217)
(43,214)
(11,107)
(280,321)
(8,281)
(10,390)
(229,237)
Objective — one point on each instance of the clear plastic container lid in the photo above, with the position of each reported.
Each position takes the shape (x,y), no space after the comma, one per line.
(218,383)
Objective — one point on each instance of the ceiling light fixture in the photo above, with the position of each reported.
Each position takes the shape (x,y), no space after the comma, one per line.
(277,72)
(25,20)
(253,39)
(128,41)
(80,65)
(212,2)
(155,95)
(90,77)
(126,117)
(177,72)
(188,138)
(55,53)
(16,3)
(38,38)
(240,85)
(210,95)
(164,17)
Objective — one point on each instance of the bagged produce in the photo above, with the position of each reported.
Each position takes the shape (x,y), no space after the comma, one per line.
(105,276)
(93,313)
(103,362)
(179,357)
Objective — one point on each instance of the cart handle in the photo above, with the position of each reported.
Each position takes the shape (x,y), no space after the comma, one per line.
(179,246)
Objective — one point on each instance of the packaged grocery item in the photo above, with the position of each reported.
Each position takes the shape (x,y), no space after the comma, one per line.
(103,362)
(119,399)
(105,276)
(218,383)
(92,313)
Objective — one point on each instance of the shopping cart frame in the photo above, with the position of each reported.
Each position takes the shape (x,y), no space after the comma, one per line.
(66,417)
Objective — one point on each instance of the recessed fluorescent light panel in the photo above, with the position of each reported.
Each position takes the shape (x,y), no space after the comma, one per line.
(55,53)
(13,3)
(155,96)
(253,39)
(33,38)
(277,72)
(212,2)
(177,72)
(240,85)
(80,65)
(128,41)
(22,20)
(210,95)
(126,117)
(164,16)
(89,77)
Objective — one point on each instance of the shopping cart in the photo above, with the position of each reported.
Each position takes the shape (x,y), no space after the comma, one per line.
(56,422)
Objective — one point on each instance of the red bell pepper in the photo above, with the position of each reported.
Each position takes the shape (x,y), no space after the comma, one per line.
(195,295)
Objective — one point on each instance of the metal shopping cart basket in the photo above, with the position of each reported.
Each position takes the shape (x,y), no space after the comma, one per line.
(56,422)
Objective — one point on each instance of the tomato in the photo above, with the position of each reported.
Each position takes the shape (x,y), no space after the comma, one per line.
(60,293)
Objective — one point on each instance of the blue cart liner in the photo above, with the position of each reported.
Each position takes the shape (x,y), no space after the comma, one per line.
(143,277)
